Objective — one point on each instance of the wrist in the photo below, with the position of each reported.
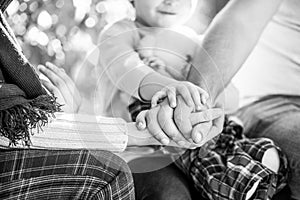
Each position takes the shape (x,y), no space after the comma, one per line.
(139,138)
(152,83)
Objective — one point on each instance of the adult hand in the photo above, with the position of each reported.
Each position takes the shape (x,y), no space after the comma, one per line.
(208,130)
(61,86)
(160,123)
(209,125)
(163,130)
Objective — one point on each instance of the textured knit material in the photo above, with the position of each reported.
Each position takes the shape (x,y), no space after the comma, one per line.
(24,103)
(64,174)
(15,66)
(79,131)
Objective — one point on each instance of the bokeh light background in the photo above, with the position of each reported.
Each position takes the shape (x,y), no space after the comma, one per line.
(64,32)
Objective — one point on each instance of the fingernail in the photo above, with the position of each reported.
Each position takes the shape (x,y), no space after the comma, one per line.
(141,125)
(40,67)
(204,100)
(197,137)
(165,141)
(198,108)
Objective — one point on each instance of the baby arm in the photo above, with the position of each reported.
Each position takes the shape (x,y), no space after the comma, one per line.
(123,65)
(118,59)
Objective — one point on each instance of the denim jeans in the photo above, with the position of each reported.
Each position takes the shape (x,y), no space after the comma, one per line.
(158,178)
(277,117)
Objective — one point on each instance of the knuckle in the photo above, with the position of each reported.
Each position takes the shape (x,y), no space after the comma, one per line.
(56,82)
(158,135)
(51,89)
(60,71)
(54,68)
(172,136)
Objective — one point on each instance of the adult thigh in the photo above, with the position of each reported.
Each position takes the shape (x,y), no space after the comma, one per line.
(63,174)
(279,120)
(285,132)
(158,178)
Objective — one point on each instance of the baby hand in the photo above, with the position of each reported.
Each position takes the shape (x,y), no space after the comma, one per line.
(193,95)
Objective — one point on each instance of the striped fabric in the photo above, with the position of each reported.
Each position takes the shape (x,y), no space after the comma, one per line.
(80,131)
(63,174)
(84,131)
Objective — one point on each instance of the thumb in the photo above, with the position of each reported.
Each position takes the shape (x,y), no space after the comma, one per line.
(200,132)
(141,120)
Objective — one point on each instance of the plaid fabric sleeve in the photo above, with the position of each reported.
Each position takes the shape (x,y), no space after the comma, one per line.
(225,169)
(63,174)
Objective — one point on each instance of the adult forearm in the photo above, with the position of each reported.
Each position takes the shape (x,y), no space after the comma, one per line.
(228,42)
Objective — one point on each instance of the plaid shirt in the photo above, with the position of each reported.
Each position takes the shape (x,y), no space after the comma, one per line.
(63,174)
(228,166)
(227,169)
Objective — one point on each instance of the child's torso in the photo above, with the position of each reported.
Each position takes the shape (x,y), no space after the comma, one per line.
(173,47)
